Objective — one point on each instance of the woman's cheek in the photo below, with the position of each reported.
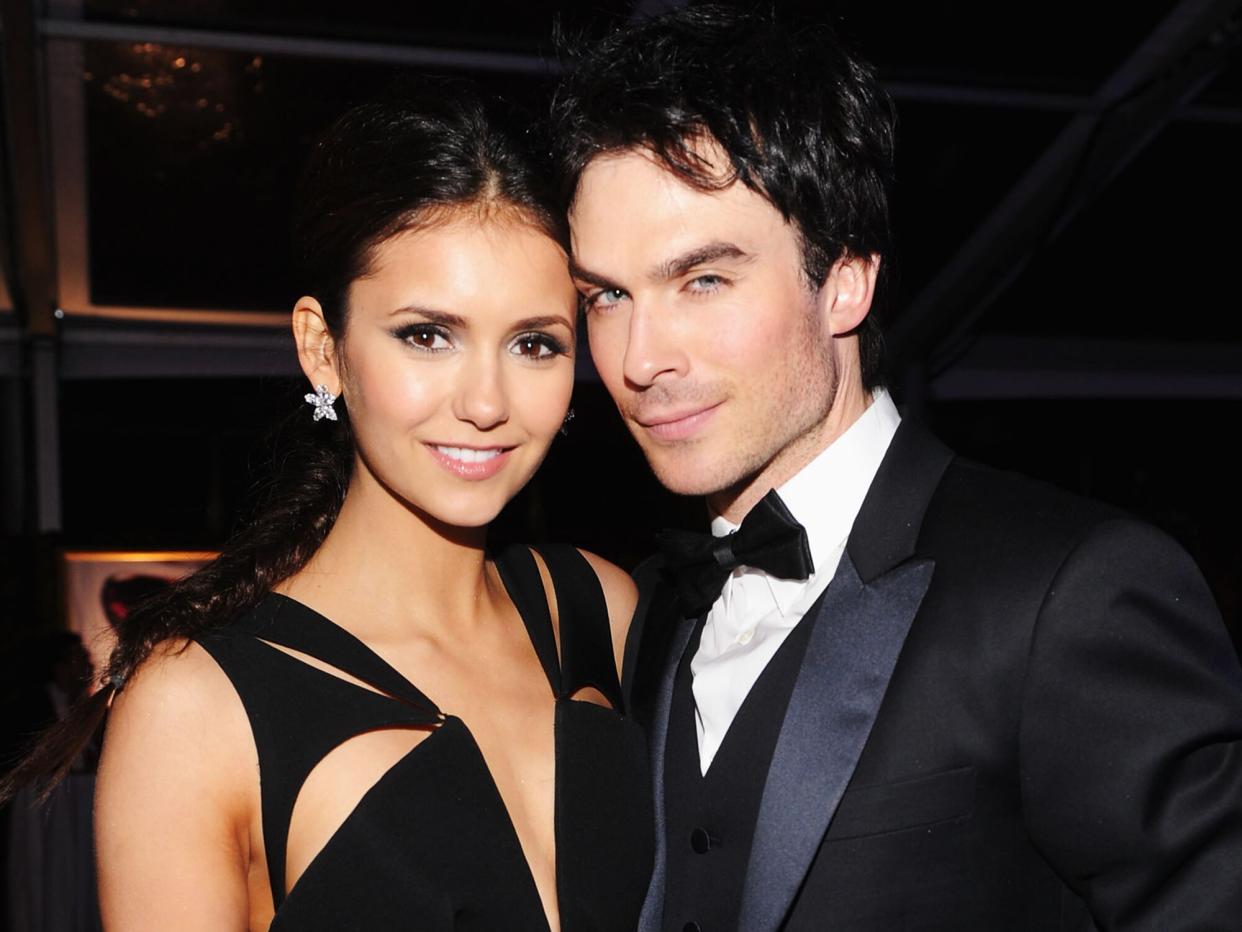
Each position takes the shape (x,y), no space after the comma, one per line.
(402,395)
(548,399)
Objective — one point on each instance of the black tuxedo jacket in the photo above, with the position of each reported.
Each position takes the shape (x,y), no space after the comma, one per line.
(1018,710)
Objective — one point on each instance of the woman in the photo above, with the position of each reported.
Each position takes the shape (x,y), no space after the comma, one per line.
(358,717)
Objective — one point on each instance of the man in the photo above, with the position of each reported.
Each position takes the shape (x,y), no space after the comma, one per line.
(910,692)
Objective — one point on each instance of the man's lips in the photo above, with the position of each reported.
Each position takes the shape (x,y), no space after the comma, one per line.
(677,425)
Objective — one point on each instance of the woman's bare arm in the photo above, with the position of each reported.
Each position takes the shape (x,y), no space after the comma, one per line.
(173,801)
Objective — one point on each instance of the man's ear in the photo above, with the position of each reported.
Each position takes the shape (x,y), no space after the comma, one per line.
(317,350)
(849,290)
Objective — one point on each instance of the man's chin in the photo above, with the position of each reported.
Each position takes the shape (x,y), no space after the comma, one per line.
(686,475)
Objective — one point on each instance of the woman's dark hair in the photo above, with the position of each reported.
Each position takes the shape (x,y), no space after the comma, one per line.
(802,120)
(381,169)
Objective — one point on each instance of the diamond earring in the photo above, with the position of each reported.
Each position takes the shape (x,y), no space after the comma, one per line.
(322,399)
(569,416)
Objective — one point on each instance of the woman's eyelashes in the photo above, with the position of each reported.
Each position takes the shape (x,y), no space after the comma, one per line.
(428,338)
(534,345)
(538,346)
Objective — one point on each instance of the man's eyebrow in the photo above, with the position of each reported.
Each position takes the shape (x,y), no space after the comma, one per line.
(432,316)
(580,273)
(680,265)
(670,268)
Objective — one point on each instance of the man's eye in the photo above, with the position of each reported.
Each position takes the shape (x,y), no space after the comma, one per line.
(604,298)
(706,284)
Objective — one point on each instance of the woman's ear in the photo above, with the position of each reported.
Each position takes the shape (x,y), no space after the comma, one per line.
(853,287)
(317,350)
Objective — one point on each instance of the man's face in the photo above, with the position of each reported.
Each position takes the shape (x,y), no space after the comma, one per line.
(719,354)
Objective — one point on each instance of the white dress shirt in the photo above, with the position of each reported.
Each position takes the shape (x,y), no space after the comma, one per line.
(755,612)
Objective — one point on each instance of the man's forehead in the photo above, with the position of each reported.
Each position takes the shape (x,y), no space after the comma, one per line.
(630,198)
(708,166)
(613,174)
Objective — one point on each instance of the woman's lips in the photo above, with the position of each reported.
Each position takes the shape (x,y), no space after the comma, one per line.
(679,425)
(470,462)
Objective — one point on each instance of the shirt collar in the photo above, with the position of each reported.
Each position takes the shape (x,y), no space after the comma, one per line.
(827,493)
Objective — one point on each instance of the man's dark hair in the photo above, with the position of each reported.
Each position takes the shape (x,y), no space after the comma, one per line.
(802,119)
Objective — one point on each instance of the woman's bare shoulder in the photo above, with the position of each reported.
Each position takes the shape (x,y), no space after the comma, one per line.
(177,721)
(179,776)
(621,596)
(176,685)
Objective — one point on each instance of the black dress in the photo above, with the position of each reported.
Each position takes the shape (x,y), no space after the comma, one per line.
(431,846)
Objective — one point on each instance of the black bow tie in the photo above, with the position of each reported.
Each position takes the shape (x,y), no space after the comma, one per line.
(769,539)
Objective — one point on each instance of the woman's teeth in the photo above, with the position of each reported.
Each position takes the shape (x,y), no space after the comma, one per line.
(467,455)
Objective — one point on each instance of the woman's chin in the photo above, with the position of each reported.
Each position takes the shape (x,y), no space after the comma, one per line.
(467,513)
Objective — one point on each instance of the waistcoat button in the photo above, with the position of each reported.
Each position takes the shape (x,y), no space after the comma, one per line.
(700,841)
(691,927)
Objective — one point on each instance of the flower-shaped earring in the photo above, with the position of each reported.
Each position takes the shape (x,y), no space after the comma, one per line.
(322,399)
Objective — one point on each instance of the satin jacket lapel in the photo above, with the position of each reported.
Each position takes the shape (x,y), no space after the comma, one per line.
(859,632)
(653,907)
(849,660)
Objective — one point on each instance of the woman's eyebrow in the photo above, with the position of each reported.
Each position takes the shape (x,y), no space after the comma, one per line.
(530,323)
(444,318)
(432,316)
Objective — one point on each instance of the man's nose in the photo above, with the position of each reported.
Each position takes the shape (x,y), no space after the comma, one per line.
(653,347)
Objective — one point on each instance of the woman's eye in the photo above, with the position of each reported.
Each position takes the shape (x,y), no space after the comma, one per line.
(425,337)
(537,346)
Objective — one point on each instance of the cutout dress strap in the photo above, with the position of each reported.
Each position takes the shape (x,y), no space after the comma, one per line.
(520,574)
(298,714)
(586,636)
(288,623)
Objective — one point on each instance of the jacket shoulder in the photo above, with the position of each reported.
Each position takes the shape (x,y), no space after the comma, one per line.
(978,507)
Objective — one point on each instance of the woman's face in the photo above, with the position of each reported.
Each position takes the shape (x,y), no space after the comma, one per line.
(456,363)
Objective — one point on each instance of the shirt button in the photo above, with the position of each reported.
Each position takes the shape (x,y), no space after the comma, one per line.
(745,636)
(700,841)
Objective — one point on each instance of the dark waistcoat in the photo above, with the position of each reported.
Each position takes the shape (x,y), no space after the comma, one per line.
(711,818)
